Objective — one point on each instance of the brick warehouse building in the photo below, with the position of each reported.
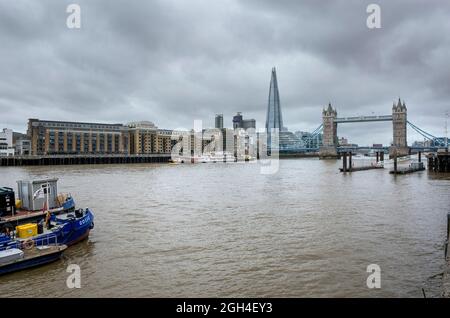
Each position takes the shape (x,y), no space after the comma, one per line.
(60,137)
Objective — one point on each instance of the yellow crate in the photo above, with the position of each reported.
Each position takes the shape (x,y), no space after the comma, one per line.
(26,230)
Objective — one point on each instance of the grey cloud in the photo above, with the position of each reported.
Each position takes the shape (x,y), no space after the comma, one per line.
(175,61)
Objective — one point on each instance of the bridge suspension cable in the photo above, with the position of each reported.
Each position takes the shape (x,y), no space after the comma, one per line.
(427,135)
(309,141)
(317,130)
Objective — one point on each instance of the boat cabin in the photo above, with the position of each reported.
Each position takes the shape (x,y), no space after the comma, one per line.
(33,194)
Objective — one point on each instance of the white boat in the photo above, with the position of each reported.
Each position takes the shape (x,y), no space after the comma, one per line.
(206,158)
(222,157)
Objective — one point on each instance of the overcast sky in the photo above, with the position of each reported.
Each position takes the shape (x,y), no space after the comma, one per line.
(173,61)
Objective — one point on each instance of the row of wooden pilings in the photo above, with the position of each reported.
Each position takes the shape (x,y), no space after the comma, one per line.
(80,160)
(348,167)
(395,158)
(439,162)
(380,156)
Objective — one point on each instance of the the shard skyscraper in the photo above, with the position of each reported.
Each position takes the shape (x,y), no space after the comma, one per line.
(274,119)
(278,136)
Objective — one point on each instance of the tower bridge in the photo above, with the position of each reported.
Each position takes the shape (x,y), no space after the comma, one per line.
(399,124)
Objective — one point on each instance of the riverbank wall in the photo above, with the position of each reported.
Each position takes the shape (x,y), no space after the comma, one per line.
(18,161)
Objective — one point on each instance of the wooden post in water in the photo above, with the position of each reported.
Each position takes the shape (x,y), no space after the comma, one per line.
(382,156)
(448,225)
(395,161)
(344,162)
(350,161)
(378,154)
(420,156)
(448,235)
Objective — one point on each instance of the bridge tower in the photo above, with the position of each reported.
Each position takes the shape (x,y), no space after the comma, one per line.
(330,140)
(399,122)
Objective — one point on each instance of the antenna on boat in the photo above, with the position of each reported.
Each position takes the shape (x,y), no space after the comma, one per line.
(446,130)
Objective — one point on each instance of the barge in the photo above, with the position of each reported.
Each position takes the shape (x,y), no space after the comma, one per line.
(13,260)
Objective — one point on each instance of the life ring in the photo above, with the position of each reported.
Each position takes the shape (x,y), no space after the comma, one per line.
(28,244)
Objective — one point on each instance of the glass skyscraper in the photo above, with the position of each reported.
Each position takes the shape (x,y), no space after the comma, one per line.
(287,141)
(274,118)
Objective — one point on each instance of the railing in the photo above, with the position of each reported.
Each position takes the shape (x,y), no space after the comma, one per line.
(47,240)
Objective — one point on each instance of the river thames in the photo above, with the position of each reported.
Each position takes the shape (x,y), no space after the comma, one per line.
(226,230)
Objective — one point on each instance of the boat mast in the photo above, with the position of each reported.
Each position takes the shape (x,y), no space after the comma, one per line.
(48,189)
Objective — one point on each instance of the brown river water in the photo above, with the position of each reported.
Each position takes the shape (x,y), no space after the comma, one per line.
(226,230)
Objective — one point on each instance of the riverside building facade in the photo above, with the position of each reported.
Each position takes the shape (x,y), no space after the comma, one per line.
(60,137)
(146,138)
(6,143)
(64,138)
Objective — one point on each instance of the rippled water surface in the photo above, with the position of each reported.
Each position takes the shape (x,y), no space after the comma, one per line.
(213,230)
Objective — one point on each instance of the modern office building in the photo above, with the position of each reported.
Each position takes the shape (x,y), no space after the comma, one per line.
(288,141)
(61,137)
(219,121)
(146,138)
(6,142)
(23,147)
(240,122)
(274,118)
(224,139)
(308,140)
(428,143)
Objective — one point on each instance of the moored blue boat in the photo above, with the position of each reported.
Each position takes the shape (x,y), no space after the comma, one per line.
(66,229)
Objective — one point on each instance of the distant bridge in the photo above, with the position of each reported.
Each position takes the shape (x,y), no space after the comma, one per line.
(328,145)
(361,119)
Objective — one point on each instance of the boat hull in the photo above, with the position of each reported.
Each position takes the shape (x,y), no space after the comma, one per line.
(68,232)
(77,230)
(32,262)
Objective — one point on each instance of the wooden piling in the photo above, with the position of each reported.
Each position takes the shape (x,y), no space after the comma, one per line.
(395,162)
(350,161)
(448,235)
(344,162)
